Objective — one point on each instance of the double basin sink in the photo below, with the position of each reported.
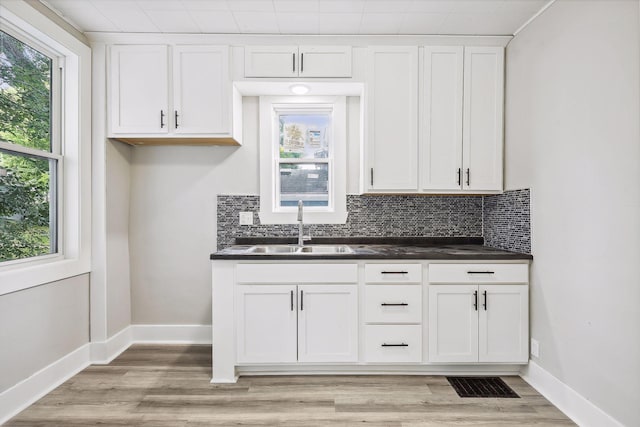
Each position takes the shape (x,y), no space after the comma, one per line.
(294,249)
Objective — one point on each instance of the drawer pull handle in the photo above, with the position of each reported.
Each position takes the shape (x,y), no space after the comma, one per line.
(393,304)
(394,272)
(394,345)
(480,272)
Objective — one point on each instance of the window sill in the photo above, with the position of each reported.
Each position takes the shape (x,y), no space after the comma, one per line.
(19,276)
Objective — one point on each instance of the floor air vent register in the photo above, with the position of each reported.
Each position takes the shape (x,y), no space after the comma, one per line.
(481,387)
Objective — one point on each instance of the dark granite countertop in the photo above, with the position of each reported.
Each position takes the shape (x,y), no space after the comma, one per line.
(395,248)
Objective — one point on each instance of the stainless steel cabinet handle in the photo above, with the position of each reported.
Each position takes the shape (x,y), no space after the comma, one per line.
(294,63)
(372,177)
(301,300)
(302,62)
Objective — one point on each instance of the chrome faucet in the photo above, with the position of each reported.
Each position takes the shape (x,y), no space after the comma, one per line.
(301,236)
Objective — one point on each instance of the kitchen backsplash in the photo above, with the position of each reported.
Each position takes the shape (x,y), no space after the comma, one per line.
(395,215)
(507,221)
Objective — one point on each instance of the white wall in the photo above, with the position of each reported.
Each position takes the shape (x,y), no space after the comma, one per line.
(118,183)
(573,137)
(40,325)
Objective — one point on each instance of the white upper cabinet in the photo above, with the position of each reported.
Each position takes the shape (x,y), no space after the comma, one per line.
(297,61)
(441,118)
(139,89)
(200,90)
(391,150)
(483,118)
(160,94)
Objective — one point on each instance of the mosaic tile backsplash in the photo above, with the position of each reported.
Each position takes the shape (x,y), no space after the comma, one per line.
(507,221)
(396,215)
(369,216)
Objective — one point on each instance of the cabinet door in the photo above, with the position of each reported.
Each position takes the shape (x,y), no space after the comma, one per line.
(139,89)
(392,129)
(327,323)
(441,118)
(200,90)
(266,323)
(271,61)
(483,117)
(325,61)
(453,323)
(504,323)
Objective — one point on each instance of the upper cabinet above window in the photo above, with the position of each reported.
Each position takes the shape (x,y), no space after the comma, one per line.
(297,61)
(161,94)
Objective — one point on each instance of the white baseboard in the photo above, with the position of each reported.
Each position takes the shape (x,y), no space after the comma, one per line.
(29,390)
(569,401)
(171,334)
(103,352)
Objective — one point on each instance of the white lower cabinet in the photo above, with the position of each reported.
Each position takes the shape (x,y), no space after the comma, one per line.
(478,323)
(303,323)
(393,343)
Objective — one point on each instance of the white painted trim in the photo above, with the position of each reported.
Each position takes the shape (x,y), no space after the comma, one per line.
(28,391)
(573,404)
(103,352)
(534,17)
(171,334)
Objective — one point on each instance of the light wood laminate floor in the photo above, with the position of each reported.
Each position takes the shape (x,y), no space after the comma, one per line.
(150,385)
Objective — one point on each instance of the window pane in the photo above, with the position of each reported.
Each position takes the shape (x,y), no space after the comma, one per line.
(25,94)
(304,136)
(27,206)
(304,181)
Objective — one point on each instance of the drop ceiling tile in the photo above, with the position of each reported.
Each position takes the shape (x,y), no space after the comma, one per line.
(380,23)
(160,4)
(478,24)
(132,21)
(257,22)
(341,6)
(298,23)
(386,6)
(206,4)
(251,5)
(296,5)
(173,21)
(215,22)
(431,6)
(339,23)
(422,23)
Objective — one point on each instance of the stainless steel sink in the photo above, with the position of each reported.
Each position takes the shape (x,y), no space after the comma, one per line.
(309,249)
(272,249)
(326,249)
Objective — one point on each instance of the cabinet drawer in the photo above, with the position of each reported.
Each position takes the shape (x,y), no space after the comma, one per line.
(297,273)
(393,343)
(393,304)
(393,273)
(479,273)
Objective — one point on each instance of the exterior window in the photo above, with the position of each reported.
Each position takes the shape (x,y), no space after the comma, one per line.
(302,157)
(29,151)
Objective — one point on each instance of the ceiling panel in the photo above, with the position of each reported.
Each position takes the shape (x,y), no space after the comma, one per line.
(475,17)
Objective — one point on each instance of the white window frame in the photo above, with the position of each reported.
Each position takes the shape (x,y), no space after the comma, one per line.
(71,140)
(270,210)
